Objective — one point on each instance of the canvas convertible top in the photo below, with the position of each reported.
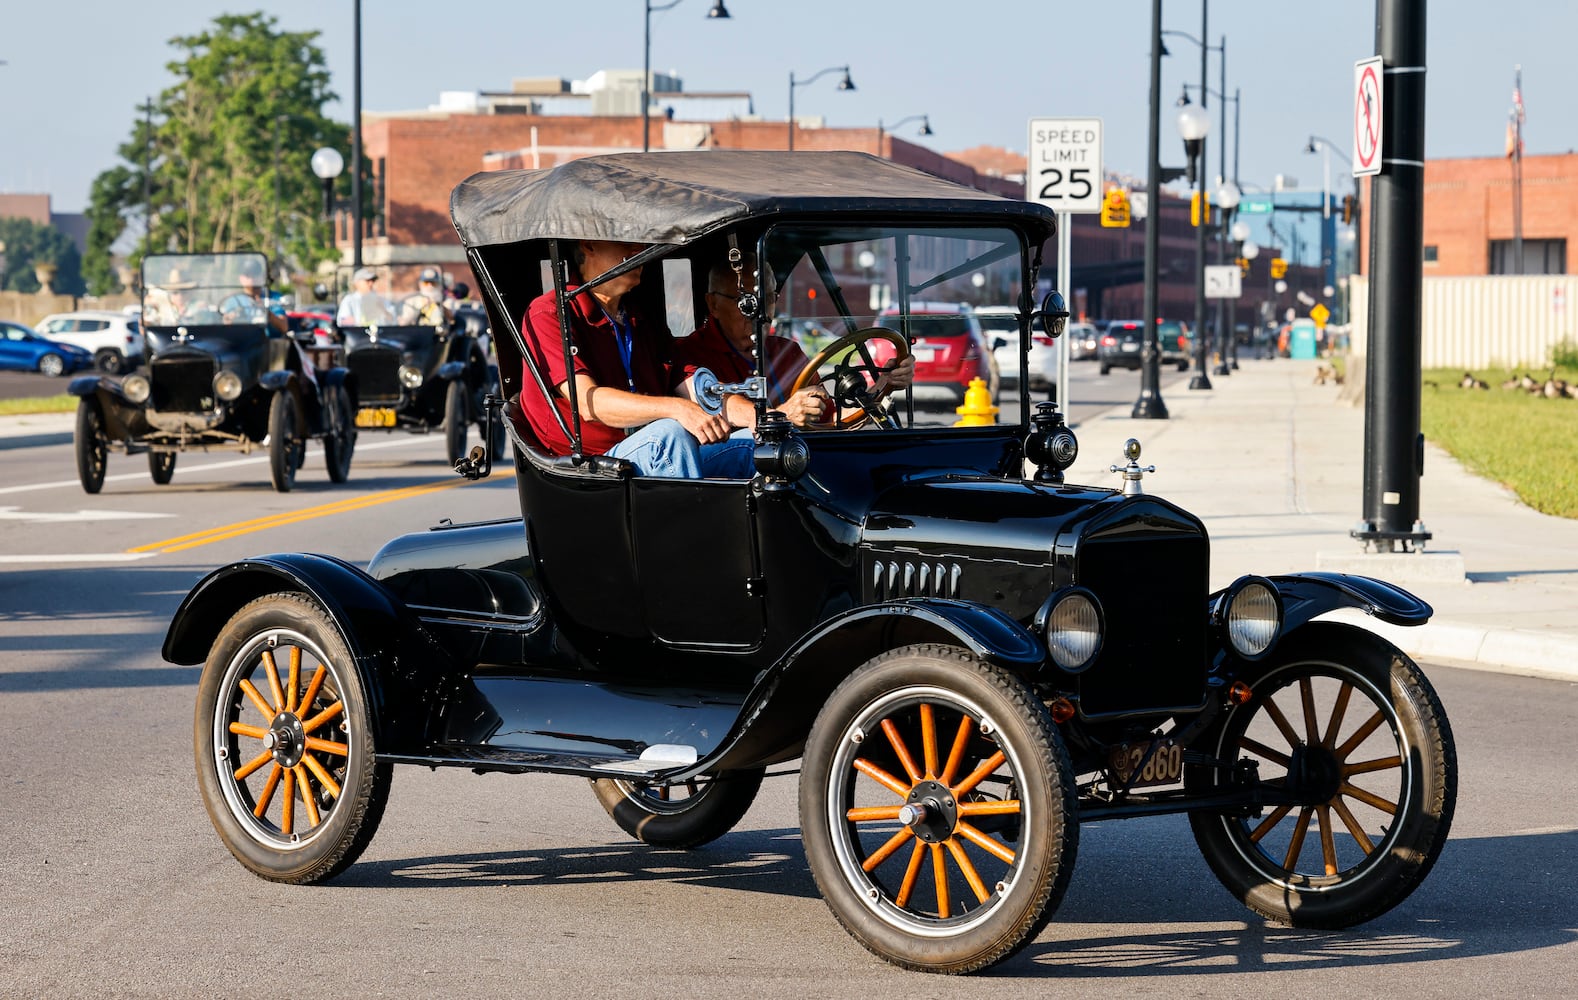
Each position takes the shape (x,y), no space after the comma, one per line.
(681,196)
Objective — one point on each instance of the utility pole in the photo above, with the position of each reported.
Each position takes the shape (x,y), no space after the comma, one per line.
(1517,170)
(356,144)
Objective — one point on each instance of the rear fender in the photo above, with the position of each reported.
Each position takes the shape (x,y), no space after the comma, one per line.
(1308,595)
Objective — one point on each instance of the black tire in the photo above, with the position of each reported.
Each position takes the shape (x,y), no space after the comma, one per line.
(679,816)
(91,445)
(340,441)
(1403,809)
(238,775)
(1105,368)
(161,466)
(1020,821)
(1183,366)
(284,455)
(455,421)
(52,365)
(110,361)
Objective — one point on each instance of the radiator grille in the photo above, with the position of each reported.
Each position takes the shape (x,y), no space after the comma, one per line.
(377,371)
(182,385)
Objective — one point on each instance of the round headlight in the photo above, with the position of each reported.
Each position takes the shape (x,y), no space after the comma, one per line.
(227,385)
(136,388)
(410,376)
(1073,627)
(1254,618)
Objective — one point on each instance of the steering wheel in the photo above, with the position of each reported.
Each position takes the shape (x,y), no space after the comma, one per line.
(856,382)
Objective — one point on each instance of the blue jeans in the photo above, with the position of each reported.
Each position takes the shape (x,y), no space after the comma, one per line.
(665,449)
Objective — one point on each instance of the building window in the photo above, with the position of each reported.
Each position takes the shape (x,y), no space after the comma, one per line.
(1431,251)
(1539,257)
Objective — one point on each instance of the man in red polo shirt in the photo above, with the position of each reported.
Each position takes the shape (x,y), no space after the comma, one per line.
(634,405)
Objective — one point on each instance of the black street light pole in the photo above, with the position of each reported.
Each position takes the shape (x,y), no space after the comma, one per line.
(147,176)
(925,128)
(356,141)
(1149,406)
(845,84)
(1195,146)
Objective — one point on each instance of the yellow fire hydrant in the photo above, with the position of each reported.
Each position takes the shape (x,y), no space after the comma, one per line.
(977,410)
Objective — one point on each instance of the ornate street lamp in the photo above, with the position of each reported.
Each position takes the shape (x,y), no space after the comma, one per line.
(327,163)
(845,84)
(1193,124)
(716,12)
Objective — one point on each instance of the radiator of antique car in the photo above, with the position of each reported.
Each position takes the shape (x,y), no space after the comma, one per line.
(182,384)
(377,371)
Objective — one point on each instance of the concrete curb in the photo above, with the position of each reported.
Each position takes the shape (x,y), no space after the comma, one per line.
(1496,650)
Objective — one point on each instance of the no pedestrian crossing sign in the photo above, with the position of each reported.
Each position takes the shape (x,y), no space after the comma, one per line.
(1223,281)
(1367,117)
(1065,164)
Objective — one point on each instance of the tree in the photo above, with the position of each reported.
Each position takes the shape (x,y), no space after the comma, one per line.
(28,244)
(209,145)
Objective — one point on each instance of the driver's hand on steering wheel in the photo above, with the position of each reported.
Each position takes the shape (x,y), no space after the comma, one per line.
(705,427)
(806,407)
(903,374)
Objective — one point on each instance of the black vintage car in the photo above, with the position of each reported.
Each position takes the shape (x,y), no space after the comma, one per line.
(425,369)
(223,374)
(970,657)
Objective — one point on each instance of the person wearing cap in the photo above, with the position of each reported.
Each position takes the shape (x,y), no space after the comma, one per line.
(426,306)
(251,304)
(634,404)
(364,306)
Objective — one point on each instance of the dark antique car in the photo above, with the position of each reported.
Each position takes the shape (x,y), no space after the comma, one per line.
(220,376)
(970,657)
(427,370)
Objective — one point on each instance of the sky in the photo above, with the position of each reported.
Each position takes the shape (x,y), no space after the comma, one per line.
(75,69)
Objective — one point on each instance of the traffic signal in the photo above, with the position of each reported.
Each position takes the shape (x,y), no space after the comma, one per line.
(1349,207)
(1243,266)
(1279,267)
(1194,209)
(1115,209)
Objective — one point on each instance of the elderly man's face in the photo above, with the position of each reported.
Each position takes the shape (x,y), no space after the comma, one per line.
(599,256)
(725,308)
(250,286)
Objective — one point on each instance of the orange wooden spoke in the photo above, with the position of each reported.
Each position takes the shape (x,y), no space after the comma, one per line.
(908,885)
(323,776)
(305,788)
(1276,757)
(1269,822)
(1297,844)
(268,791)
(940,877)
(866,814)
(1307,698)
(1368,798)
(980,774)
(242,729)
(902,751)
(1352,824)
(305,704)
(1359,735)
(295,679)
(308,725)
(961,740)
(287,818)
(252,765)
(1281,720)
(325,746)
(1338,710)
(273,680)
(1328,847)
(256,697)
(928,740)
(884,852)
(1366,766)
(970,875)
(994,807)
(882,777)
(984,842)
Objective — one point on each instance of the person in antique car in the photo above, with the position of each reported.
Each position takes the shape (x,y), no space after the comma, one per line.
(364,306)
(251,304)
(427,306)
(723,343)
(634,403)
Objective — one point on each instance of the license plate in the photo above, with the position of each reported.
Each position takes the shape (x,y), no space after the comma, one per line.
(1131,348)
(923,353)
(1165,766)
(375,416)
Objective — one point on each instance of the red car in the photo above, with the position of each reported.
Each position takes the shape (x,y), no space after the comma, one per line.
(950,347)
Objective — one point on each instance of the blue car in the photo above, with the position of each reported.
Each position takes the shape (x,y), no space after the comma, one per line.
(23,350)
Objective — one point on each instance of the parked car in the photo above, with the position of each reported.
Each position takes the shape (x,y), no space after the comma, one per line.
(23,350)
(221,378)
(1176,341)
(1000,324)
(948,343)
(1121,345)
(969,657)
(114,339)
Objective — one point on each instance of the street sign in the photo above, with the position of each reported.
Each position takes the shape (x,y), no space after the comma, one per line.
(1065,164)
(1115,209)
(1320,314)
(1223,281)
(1255,206)
(1139,204)
(1279,267)
(1367,117)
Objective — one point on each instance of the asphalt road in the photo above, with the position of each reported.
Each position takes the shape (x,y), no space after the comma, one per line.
(112,881)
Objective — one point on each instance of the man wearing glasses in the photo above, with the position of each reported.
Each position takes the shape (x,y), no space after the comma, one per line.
(365,307)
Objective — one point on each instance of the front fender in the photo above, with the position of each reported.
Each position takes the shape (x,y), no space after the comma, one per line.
(89,385)
(1308,595)
(278,379)
(451,370)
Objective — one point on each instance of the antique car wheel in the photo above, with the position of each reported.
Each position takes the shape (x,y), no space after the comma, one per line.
(284,743)
(91,444)
(682,815)
(284,457)
(1349,724)
(52,365)
(937,806)
(340,442)
(455,421)
(161,465)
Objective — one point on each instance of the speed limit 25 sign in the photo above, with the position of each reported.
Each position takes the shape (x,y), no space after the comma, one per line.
(1065,164)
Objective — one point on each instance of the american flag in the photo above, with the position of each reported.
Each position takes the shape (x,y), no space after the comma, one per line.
(1515,117)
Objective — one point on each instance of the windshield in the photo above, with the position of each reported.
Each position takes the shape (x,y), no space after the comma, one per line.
(920,284)
(204,289)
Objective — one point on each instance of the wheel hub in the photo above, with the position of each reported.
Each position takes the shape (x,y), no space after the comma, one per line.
(1314,775)
(930,812)
(287,739)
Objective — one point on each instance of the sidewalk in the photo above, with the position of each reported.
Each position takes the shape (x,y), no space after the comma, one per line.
(1274,466)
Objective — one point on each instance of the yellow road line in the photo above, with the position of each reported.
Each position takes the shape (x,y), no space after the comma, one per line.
(223,532)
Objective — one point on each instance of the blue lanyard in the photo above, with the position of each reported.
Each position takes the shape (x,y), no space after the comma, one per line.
(624,337)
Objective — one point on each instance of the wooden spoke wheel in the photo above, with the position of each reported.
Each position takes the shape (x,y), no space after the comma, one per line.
(681,814)
(283,455)
(856,383)
(339,441)
(92,446)
(1350,728)
(284,743)
(937,805)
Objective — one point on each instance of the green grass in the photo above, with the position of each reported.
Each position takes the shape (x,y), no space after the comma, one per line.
(39,404)
(1527,443)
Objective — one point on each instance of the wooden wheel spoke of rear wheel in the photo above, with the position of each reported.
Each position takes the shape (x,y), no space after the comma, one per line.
(294,683)
(273,679)
(1338,709)
(984,842)
(1296,845)
(313,687)
(1255,746)
(287,815)
(1360,735)
(312,724)
(252,765)
(324,778)
(1368,798)
(1367,766)
(1307,700)
(327,746)
(1269,822)
(990,807)
(981,773)
(940,879)
(1328,846)
(928,740)
(303,786)
(1353,826)
(884,852)
(896,740)
(268,791)
(961,740)
(970,874)
(256,698)
(871,814)
(1276,716)
(910,873)
(242,729)
(882,777)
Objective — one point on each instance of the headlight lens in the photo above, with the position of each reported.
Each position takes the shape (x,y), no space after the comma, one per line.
(1254,618)
(410,376)
(227,385)
(136,388)
(1074,630)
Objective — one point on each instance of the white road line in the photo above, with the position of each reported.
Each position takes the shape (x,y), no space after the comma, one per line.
(66,517)
(79,557)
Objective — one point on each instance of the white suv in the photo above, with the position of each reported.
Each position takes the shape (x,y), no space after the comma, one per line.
(114,338)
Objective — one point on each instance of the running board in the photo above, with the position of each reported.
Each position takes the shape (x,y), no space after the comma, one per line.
(654,760)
